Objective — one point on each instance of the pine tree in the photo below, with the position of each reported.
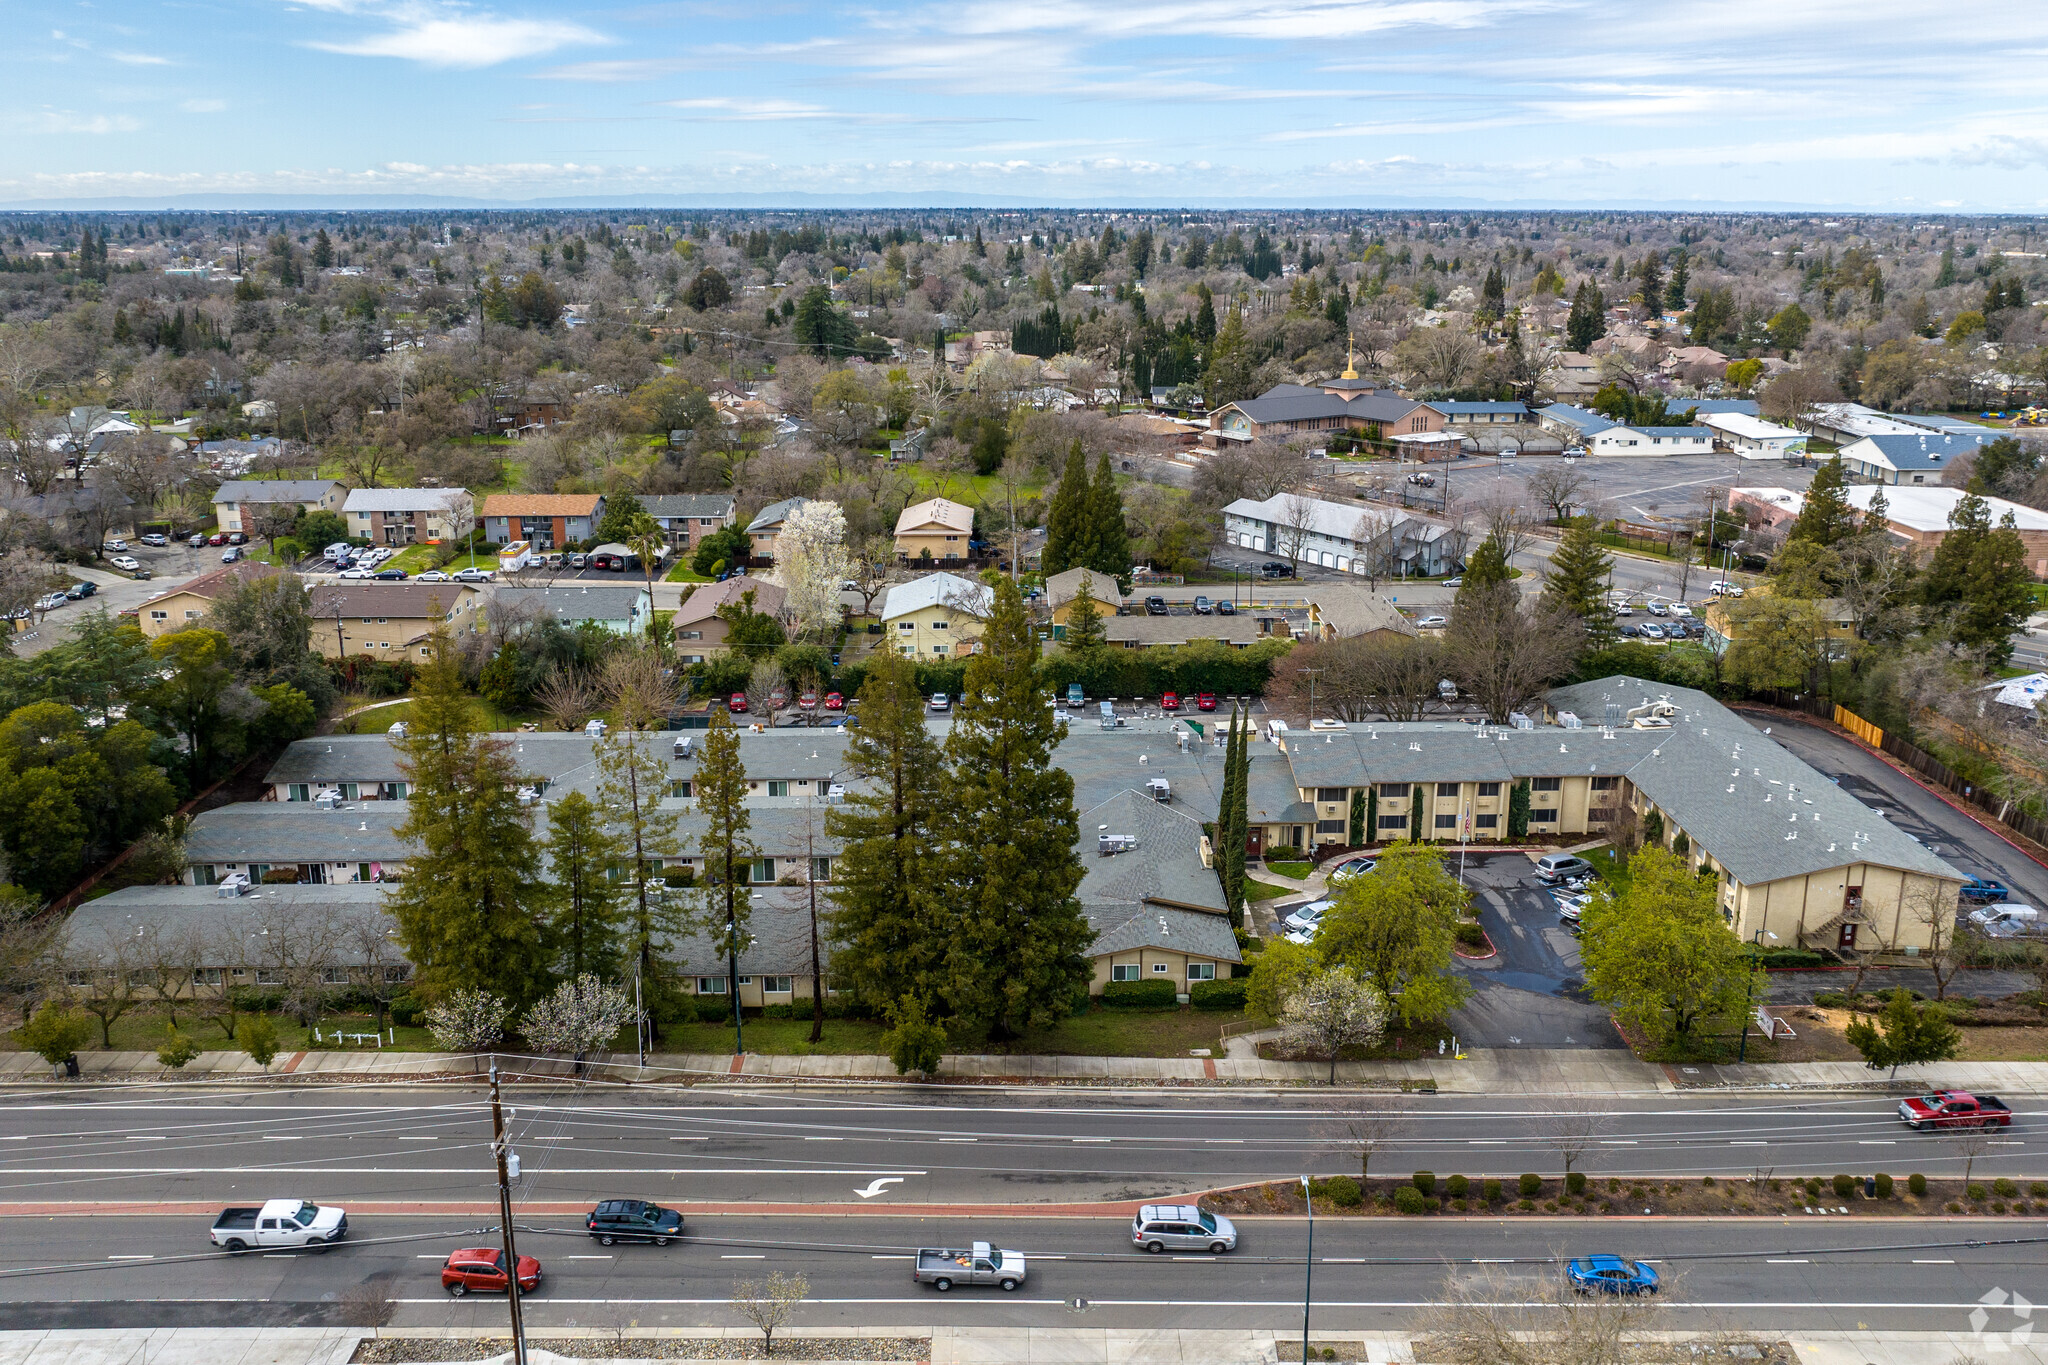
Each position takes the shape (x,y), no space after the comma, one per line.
(1977,583)
(1826,517)
(1587,322)
(465,908)
(1084,630)
(1485,568)
(1205,316)
(894,923)
(1109,550)
(1415,830)
(323,249)
(1877,516)
(631,780)
(585,921)
(1650,271)
(1946,276)
(1493,296)
(721,788)
(1009,828)
(1577,580)
(1063,522)
(1681,277)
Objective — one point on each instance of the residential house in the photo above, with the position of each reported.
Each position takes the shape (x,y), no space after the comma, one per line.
(698,631)
(938,615)
(1917,515)
(370,768)
(1837,629)
(1062,588)
(388,620)
(1573,374)
(686,518)
(236,504)
(1679,360)
(1906,459)
(546,521)
(1481,414)
(620,610)
(1340,610)
(1372,542)
(766,527)
(1168,632)
(1752,437)
(936,529)
(1622,440)
(187,604)
(407,516)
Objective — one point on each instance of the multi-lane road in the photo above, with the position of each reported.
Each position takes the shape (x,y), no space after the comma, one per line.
(105,1198)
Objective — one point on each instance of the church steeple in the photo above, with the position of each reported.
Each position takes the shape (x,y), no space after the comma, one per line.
(1350,356)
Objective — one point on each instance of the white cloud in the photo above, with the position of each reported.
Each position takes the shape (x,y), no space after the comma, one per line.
(140,59)
(739,110)
(54,122)
(450,36)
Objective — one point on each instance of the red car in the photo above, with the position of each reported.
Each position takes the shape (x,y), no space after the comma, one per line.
(1954,1109)
(834,702)
(481,1270)
(808,701)
(1205,702)
(217,538)
(737,703)
(1170,702)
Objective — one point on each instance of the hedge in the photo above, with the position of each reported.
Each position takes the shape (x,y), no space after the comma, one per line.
(1214,995)
(1408,1199)
(1140,995)
(1791,957)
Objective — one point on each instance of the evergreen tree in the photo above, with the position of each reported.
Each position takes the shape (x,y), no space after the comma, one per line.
(1577,580)
(1493,296)
(1587,322)
(1415,816)
(1205,316)
(1230,825)
(1913,1034)
(1681,276)
(1485,568)
(632,778)
(585,922)
(1877,516)
(1110,546)
(323,249)
(1977,582)
(1826,517)
(1009,833)
(894,922)
(1518,810)
(1946,276)
(1069,510)
(465,908)
(1084,630)
(1650,272)
(721,788)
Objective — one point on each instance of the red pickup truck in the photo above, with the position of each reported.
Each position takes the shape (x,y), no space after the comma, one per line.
(1954,1109)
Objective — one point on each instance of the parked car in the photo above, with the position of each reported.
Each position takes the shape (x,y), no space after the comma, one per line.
(979,1264)
(1610,1275)
(1553,868)
(1723,588)
(1423,480)
(1307,916)
(155,539)
(1981,891)
(433,576)
(941,702)
(390,575)
(1205,701)
(353,573)
(238,538)
(1352,867)
(1203,606)
(1630,632)
(1681,611)
(737,703)
(1954,1109)
(1650,630)
(81,590)
(227,556)
(578,561)
(481,1270)
(50,601)
(1155,606)
(1457,582)
(2009,920)
(1226,607)
(197,540)
(834,702)
(280,1223)
(130,563)
(556,561)
(633,1220)
(1574,452)
(472,574)
(1658,609)
(1274,568)
(1433,623)
(1182,1227)
(1170,701)
(808,701)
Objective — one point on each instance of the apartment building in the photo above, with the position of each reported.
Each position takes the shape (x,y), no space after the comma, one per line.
(408,516)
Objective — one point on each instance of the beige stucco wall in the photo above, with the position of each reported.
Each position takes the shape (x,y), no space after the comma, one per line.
(932,626)
(1146,959)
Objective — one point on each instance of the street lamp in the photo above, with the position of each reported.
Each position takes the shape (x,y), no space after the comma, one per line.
(1312,673)
(1749,992)
(1308,1267)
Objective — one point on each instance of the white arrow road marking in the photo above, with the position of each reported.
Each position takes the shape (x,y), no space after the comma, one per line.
(878,1185)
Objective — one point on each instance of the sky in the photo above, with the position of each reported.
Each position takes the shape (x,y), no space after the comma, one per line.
(1842,104)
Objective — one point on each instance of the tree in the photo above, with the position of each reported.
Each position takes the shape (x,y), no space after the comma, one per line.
(1008,828)
(726,546)
(813,563)
(1788,328)
(1576,582)
(893,920)
(1084,630)
(1571,1128)
(1504,656)
(1485,568)
(632,779)
(1558,486)
(822,329)
(750,634)
(914,1042)
(108,972)
(1909,1033)
(257,1036)
(1331,1009)
(1781,642)
(721,787)
(467,908)
(709,289)
(1977,581)
(581,1016)
(1109,542)
(1826,516)
(56,1032)
(1067,524)
(1658,953)
(1793,395)
(769,1304)
(586,924)
(468,1020)
(1483,1317)
(1396,929)
(1587,322)
(199,664)
(1370,1129)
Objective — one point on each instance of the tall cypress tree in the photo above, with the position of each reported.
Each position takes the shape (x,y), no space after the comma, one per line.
(894,922)
(1229,854)
(1110,550)
(1240,789)
(466,907)
(1587,322)
(1062,523)
(1009,829)
(1485,568)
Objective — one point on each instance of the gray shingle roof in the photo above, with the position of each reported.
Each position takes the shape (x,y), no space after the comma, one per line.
(1242,628)
(575,604)
(686,504)
(287,832)
(1126,928)
(218,921)
(1587,421)
(273,490)
(1165,867)
(774,514)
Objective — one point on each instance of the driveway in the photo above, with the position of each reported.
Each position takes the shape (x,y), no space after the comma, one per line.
(118,592)
(1532,993)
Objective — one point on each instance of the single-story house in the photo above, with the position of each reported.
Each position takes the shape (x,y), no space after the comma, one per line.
(1481,414)
(935,529)
(546,521)
(698,629)
(389,620)
(1917,514)
(621,610)
(1752,437)
(1339,610)
(406,516)
(1573,424)
(1621,440)
(938,615)
(234,503)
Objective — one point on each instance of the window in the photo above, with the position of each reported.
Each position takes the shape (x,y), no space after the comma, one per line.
(764,869)
(1447,789)
(778,788)
(1447,821)
(938,625)
(691,635)
(1333,794)
(1329,826)
(78,978)
(711,985)
(334,976)
(269,976)
(1124,971)
(1487,821)
(682,787)
(1201,971)
(159,616)
(1393,822)
(1544,784)
(1606,784)
(1599,815)
(906,626)
(394,975)
(746,981)
(778,985)
(191,616)
(1543,815)
(1489,789)
(821,869)
(1393,791)
(938,649)
(1159,967)
(297,792)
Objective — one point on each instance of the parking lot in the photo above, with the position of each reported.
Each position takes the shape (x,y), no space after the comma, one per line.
(1531,994)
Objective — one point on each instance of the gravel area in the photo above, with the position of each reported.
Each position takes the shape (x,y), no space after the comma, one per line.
(391,1350)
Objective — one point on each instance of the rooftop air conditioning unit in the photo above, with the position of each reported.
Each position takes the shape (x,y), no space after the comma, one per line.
(685,746)
(1570,721)
(1109,845)
(233,885)
(1520,721)
(1161,789)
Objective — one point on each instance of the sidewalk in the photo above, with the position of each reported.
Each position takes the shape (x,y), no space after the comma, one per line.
(2023,1077)
(949,1345)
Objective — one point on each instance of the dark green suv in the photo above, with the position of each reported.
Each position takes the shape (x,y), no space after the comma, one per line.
(633,1220)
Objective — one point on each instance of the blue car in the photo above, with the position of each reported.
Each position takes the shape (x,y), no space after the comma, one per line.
(1610,1275)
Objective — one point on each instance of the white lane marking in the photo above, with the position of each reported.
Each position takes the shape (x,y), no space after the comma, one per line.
(959,1139)
(878,1185)
(132,1258)
(418,1139)
(1617,1142)
(430,1256)
(273,1137)
(537,1138)
(586,1258)
(762,1256)
(2005,1142)
(154,1138)
(1877,1142)
(15,1137)
(1748,1142)
(1795,1260)
(1486,1142)
(427,1170)
(1343,1260)
(280,1255)
(697,1138)
(1934,1263)
(1198,1258)
(1088,1139)
(824,1139)
(1214,1141)
(904,1258)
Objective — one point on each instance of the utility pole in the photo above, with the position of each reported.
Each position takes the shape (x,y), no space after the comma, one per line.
(508,1162)
(1308,1271)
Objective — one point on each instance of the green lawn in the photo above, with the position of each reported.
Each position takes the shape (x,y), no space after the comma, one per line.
(378,721)
(683,573)
(1254,889)
(983,489)
(1294,870)
(1613,868)
(778,1037)
(1098,1033)
(146,1031)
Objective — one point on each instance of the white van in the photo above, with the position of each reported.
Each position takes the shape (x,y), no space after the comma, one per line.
(2006,921)
(337,552)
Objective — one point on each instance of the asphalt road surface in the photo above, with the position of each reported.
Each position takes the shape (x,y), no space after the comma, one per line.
(1763,1272)
(888,1146)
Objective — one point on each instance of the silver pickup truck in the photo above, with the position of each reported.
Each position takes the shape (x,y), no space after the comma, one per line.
(980,1264)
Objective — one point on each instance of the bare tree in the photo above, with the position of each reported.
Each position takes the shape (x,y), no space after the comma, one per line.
(300,951)
(1488,1317)
(1559,486)
(1970,1144)
(769,1304)
(1296,524)
(1570,1130)
(103,974)
(1950,942)
(1364,677)
(1506,520)
(763,683)
(1366,1125)
(567,697)
(1504,656)
(637,688)
(1792,397)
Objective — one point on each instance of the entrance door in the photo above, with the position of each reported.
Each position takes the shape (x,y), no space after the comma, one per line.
(1255,841)
(1847,938)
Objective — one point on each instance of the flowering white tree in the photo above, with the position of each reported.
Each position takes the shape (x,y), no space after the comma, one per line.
(468,1021)
(1331,1010)
(813,563)
(581,1016)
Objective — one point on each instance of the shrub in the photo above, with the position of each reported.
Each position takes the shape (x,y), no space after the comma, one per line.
(1217,995)
(1139,995)
(56,1032)
(1425,1182)
(1707,1180)
(1884,1186)
(1998,1206)
(1917,1183)
(2039,1189)
(679,876)
(1526,1205)
(1976,1193)
(1471,935)
(1832,1000)
(1458,1205)
(1813,1187)
(1285,853)
(2005,1188)
(407,1011)
(177,1050)
(1408,1199)
(1457,1187)
(1530,1185)
(1343,1191)
(1954,1207)
(1491,1190)
(1845,1186)
(1790,957)
(257,1036)
(1575,1183)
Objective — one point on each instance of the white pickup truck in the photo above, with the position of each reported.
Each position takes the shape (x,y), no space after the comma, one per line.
(280,1223)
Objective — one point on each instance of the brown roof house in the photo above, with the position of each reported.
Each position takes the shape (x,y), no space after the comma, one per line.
(936,528)
(1062,588)
(700,631)
(546,521)
(187,604)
